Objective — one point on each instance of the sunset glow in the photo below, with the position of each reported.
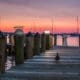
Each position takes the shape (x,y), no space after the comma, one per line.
(37,15)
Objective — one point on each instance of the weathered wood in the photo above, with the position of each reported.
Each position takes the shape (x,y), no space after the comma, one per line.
(55,40)
(29,41)
(37,44)
(19,46)
(45,67)
(43,42)
(2,52)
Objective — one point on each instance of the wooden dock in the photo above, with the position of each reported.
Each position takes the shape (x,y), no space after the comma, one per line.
(45,67)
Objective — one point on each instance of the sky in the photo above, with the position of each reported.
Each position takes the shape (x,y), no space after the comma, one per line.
(40,15)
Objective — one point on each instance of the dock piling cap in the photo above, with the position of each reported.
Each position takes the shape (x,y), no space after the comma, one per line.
(37,34)
(43,33)
(29,34)
(2,35)
(19,32)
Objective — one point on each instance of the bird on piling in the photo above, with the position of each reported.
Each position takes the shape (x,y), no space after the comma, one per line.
(57,57)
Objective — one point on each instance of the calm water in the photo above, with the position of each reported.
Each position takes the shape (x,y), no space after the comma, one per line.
(71,41)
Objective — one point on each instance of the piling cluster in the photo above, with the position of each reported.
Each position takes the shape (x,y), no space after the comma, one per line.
(2,52)
(23,46)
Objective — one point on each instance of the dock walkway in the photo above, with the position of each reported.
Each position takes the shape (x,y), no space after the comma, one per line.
(45,67)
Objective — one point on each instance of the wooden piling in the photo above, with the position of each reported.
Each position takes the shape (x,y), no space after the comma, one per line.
(19,46)
(55,39)
(29,45)
(51,41)
(37,44)
(2,52)
(43,42)
(79,40)
(47,41)
(64,40)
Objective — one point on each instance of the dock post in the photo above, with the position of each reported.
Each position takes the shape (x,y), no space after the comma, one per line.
(19,46)
(64,40)
(55,39)
(2,52)
(6,52)
(37,43)
(43,42)
(6,37)
(51,41)
(79,40)
(29,40)
(47,41)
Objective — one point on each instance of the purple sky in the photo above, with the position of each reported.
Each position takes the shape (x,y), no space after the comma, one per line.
(25,10)
(47,8)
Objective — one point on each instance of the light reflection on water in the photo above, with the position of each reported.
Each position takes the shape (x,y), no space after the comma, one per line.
(71,41)
(10,62)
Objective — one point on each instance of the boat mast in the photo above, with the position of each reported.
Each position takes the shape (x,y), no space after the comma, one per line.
(52,24)
(77,25)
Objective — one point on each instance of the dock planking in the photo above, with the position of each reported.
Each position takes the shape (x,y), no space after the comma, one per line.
(45,67)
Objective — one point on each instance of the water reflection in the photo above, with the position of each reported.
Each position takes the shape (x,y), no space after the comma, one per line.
(9,63)
(71,41)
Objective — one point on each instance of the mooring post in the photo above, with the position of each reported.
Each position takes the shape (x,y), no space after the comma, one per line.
(47,41)
(55,39)
(37,43)
(6,40)
(29,45)
(79,40)
(51,41)
(2,52)
(64,40)
(19,46)
(6,37)
(43,42)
